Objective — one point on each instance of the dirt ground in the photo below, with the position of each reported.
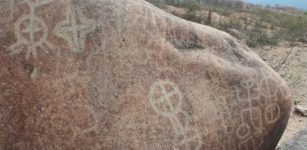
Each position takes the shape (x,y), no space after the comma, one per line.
(290,61)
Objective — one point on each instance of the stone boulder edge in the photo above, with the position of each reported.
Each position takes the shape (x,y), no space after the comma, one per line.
(298,142)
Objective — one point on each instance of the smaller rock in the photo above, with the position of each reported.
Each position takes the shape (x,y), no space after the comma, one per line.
(298,142)
(301,110)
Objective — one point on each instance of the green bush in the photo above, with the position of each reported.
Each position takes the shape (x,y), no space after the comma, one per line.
(257,37)
(191,16)
(284,26)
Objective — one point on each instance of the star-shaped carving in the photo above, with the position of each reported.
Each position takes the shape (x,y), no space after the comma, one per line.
(75,29)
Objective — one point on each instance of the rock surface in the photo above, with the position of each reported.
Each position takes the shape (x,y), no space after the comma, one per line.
(102,74)
(289,59)
(299,142)
(301,110)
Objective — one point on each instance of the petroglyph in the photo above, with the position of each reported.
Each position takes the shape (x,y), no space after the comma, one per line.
(96,94)
(268,86)
(75,28)
(272,113)
(89,94)
(251,143)
(166,100)
(245,130)
(165,103)
(269,90)
(284,91)
(6,10)
(31,32)
(35,74)
(91,127)
(249,91)
(250,128)
(186,138)
(254,118)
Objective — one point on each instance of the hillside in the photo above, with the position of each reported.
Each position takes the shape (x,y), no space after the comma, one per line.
(255,25)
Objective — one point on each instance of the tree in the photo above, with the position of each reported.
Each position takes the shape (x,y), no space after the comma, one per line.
(209,16)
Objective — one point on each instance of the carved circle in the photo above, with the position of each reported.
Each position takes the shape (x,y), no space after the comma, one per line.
(243,131)
(165,98)
(272,112)
(31,29)
(188,139)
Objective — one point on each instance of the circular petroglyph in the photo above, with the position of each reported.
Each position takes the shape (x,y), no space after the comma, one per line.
(6,10)
(188,139)
(165,98)
(272,113)
(256,117)
(243,131)
(31,32)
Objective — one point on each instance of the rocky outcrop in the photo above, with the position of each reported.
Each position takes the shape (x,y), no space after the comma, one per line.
(125,75)
(301,110)
(299,142)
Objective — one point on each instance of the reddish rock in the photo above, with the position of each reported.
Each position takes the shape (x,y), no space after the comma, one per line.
(122,74)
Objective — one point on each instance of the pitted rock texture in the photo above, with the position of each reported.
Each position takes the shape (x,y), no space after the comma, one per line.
(299,142)
(122,74)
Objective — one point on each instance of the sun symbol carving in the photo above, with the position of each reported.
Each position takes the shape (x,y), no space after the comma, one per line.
(31,32)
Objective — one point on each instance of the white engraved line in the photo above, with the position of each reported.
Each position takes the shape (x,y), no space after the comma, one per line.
(175,121)
(251,106)
(74,28)
(34,25)
(168,97)
(269,90)
(36,4)
(77,32)
(9,15)
(95,126)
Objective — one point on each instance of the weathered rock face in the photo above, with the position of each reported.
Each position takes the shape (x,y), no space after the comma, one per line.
(119,74)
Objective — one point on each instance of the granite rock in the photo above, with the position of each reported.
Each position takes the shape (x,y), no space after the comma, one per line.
(298,142)
(123,74)
(301,110)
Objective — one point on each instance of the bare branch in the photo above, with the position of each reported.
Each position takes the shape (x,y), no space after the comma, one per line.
(277,68)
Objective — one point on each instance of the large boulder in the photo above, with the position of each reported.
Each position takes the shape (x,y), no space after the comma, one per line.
(122,74)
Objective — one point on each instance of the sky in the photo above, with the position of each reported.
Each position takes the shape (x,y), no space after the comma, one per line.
(294,3)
